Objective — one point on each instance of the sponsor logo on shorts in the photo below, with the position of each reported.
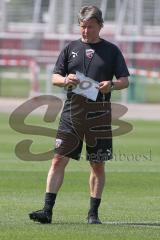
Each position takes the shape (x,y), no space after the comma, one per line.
(58,143)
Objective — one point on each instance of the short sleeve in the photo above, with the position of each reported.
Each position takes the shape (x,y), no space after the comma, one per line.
(61,65)
(121,69)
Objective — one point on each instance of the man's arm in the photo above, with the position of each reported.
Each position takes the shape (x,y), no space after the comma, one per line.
(118,84)
(121,83)
(58,80)
(61,81)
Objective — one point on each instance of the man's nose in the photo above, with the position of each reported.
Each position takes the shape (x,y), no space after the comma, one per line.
(86,30)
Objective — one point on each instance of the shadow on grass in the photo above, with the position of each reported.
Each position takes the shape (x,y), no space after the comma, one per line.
(133,224)
(143,224)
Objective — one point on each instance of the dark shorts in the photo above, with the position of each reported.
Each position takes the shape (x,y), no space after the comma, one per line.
(78,125)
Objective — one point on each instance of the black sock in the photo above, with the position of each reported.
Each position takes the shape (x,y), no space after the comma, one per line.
(94,205)
(49,201)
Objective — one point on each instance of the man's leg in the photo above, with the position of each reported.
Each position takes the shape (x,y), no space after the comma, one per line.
(96,182)
(56,173)
(54,182)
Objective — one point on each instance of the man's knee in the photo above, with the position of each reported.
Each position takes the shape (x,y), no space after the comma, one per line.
(97,168)
(59,162)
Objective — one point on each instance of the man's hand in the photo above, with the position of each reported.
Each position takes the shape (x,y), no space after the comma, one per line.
(105,86)
(71,80)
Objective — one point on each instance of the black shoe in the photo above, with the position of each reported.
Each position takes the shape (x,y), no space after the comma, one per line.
(93,219)
(41,216)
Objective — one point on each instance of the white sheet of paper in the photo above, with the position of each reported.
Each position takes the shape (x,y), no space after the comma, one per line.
(87,87)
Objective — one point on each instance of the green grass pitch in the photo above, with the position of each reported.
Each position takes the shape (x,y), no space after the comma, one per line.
(130,207)
(143,92)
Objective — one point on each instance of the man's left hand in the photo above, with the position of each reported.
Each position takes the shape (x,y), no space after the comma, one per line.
(105,86)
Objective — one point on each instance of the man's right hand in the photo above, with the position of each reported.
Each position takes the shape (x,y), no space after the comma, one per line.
(71,80)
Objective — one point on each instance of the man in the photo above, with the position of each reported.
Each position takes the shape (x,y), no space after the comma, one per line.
(99,60)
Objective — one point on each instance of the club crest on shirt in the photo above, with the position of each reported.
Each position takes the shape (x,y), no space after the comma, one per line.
(90,52)
(58,143)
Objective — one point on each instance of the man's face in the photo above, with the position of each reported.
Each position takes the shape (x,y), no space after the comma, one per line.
(90,30)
